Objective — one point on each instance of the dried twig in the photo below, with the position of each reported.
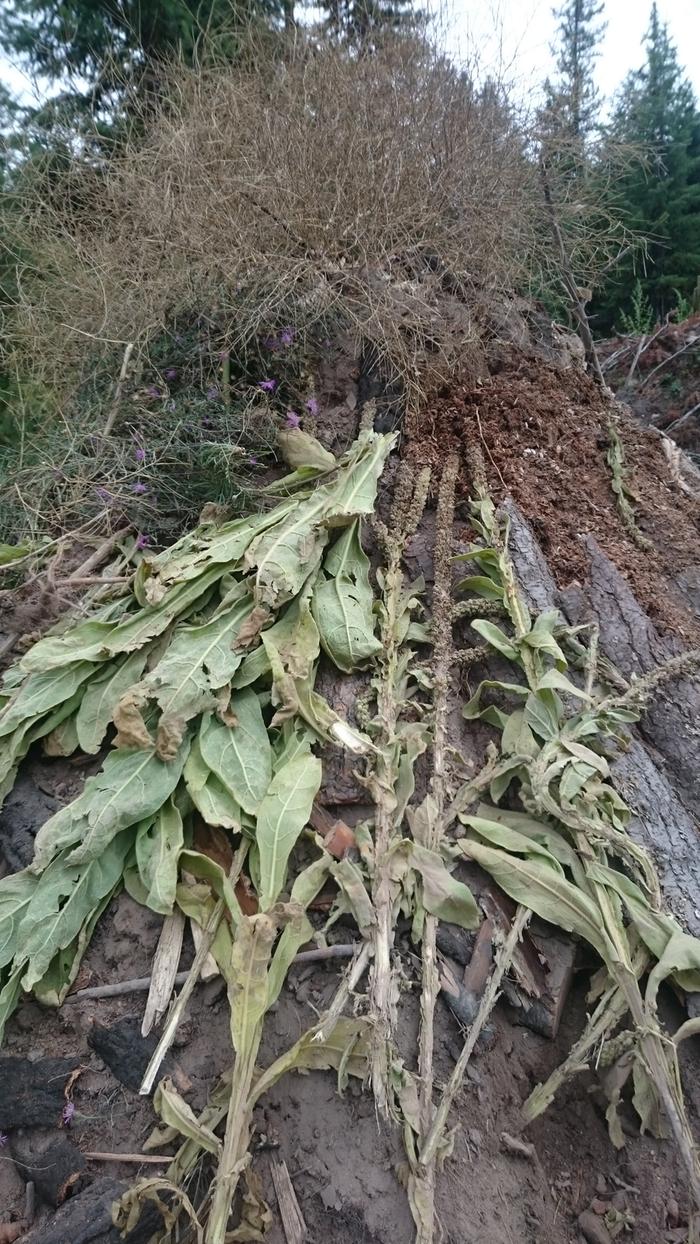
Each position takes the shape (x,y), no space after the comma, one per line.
(150,1159)
(501,964)
(165,963)
(114,408)
(292,1218)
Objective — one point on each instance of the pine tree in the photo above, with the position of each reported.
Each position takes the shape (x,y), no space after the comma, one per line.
(573,100)
(657,112)
(363,21)
(92,47)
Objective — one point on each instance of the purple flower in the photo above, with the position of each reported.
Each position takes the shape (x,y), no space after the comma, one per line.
(268,386)
(142,541)
(139,488)
(140,454)
(103,494)
(312,406)
(292,419)
(67,1115)
(252,461)
(269,343)
(153,390)
(212,392)
(3,1140)
(287,336)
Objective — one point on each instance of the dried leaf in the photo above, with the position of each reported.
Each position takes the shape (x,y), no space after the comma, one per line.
(175,1113)
(102,695)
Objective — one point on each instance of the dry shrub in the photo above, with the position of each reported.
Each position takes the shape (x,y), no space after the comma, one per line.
(323,189)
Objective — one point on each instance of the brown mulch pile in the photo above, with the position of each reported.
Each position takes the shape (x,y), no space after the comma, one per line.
(544,436)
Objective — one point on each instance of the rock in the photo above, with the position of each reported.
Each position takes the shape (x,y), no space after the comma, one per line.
(673,1213)
(32,1091)
(594,1231)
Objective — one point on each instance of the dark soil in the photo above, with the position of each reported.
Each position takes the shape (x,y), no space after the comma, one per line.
(544,437)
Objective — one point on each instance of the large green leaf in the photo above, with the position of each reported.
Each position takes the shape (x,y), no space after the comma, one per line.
(545,891)
(211,798)
(283,556)
(199,661)
(65,897)
(9,997)
(158,846)
(102,696)
(54,985)
(677,953)
(224,545)
(240,755)
(495,637)
(282,815)
(16,892)
(342,603)
(97,641)
(131,787)
(39,693)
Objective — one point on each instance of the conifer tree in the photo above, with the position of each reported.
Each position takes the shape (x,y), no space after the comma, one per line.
(573,101)
(657,112)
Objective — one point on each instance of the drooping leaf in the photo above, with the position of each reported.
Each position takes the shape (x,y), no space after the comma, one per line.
(495,637)
(342,603)
(554,680)
(65,897)
(299,929)
(545,891)
(211,798)
(102,695)
(131,787)
(473,708)
(347,1044)
(350,882)
(97,641)
(299,449)
(240,755)
(282,815)
(158,846)
(41,692)
(54,985)
(443,895)
(175,1113)
(247,980)
(10,991)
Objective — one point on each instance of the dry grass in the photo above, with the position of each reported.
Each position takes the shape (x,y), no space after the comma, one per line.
(325,188)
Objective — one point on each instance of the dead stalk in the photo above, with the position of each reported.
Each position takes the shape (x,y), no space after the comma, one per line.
(442,639)
(502,962)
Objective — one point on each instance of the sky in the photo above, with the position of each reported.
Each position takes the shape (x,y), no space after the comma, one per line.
(512,38)
(515,36)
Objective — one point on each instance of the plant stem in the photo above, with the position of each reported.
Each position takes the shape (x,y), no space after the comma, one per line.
(442,640)
(502,962)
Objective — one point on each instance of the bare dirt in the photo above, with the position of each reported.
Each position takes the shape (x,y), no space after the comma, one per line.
(544,437)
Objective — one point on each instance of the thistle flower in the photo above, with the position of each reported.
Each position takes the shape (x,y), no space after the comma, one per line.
(140,454)
(252,461)
(142,541)
(312,406)
(170,373)
(292,419)
(287,336)
(212,392)
(139,488)
(67,1114)
(268,386)
(153,391)
(104,495)
(3,1140)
